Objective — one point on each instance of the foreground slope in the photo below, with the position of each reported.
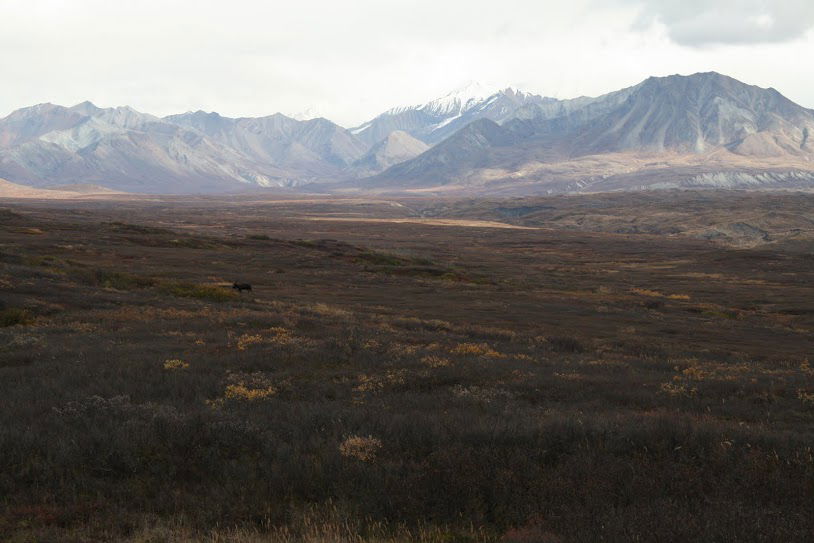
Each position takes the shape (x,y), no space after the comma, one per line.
(523,385)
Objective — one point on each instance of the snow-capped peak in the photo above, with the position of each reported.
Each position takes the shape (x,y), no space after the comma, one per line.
(308,113)
(434,120)
(460,99)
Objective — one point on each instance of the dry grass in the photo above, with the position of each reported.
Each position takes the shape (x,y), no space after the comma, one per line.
(344,401)
(364,448)
(13,316)
(175,364)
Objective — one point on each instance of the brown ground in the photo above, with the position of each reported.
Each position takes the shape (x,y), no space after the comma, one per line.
(420,377)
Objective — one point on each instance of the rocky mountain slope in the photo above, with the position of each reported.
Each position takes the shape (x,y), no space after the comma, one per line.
(679,131)
(396,147)
(127,150)
(438,119)
(118,148)
(701,130)
(315,147)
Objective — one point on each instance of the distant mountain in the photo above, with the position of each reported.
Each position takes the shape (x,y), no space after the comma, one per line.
(694,113)
(312,148)
(436,120)
(118,148)
(124,149)
(467,149)
(680,128)
(397,147)
(701,130)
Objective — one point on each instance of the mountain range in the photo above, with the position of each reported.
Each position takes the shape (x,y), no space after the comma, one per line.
(705,129)
(438,119)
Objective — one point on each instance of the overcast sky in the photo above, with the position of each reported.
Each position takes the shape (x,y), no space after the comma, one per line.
(352,59)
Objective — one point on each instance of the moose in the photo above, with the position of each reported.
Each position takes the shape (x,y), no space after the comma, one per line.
(240,287)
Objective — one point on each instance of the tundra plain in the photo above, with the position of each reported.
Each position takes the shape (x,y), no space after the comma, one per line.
(580,368)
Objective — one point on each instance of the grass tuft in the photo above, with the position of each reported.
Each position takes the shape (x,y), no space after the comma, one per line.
(13,316)
(212,293)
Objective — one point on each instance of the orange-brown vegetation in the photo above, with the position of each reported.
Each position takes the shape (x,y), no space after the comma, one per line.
(398,381)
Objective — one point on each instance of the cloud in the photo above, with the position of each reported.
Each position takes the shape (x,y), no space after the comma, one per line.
(703,22)
(352,60)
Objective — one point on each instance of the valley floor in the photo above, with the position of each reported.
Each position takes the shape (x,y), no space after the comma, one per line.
(567,369)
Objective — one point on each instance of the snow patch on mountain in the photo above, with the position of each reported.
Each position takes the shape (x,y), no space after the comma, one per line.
(308,113)
(455,102)
(437,119)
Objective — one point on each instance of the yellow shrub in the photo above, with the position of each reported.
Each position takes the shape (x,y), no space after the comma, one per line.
(657,294)
(246,387)
(246,340)
(696,373)
(678,297)
(280,336)
(175,364)
(241,391)
(402,349)
(476,349)
(374,383)
(677,389)
(434,361)
(647,292)
(360,447)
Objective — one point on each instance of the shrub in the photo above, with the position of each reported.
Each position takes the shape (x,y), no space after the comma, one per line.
(653,304)
(565,344)
(434,361)
(13,316)
(112,279)
(246,340)
(360,447)
(380,259)
(212,293)
(476,349)
(241,391)
(175,364)
(246,387)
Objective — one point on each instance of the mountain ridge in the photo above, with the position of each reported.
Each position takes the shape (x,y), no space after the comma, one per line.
(437,119)
(693,116)
(702,127)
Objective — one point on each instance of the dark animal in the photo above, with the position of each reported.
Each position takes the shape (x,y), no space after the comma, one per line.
(241,286)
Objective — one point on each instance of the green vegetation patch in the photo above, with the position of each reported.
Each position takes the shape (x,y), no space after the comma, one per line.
(212,293)
(112,279)
(44,261)
(148,236)
(12,316)
(393,264)
(7,216)
(136,228)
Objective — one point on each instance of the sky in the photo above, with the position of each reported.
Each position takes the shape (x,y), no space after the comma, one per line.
(351,60)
